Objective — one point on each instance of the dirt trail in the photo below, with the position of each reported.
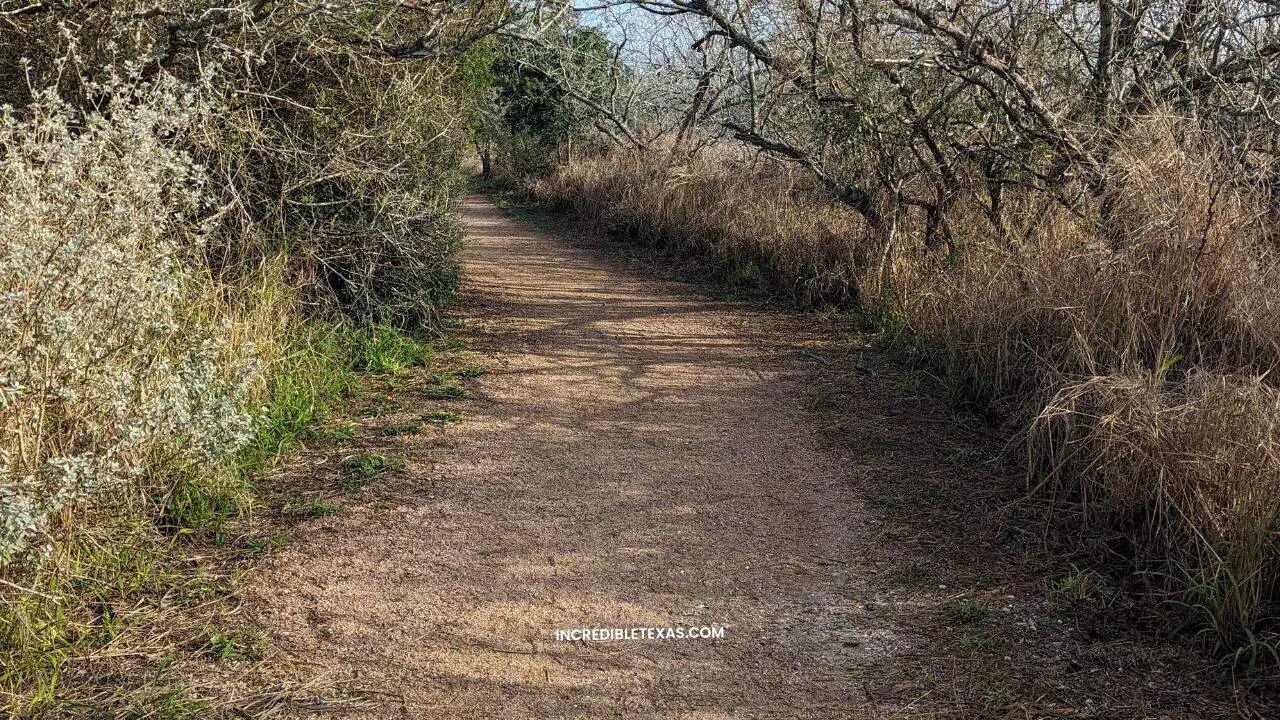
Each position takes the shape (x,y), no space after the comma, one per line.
(640,454)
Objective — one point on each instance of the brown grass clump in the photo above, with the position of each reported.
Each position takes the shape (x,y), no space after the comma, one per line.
(1191,470)
(1193,287)
(1141,374)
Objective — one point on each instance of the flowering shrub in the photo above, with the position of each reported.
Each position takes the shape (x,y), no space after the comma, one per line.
(106,360)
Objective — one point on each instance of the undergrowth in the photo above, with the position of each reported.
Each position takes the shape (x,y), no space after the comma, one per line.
(127,580)
(209,233)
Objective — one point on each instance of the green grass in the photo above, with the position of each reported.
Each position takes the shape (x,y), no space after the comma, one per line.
(445,385)
(1081,588)
(102,593)
(889,498)
(308,381)
(333,433)
(231,645)
(440,417)
(168,703)
(966,611)
(746,277)
(264,545)
(315,509)
(1221,614)
(383,404)
(407,428)
(358,471)
(121,560)
(449,392)
(321,368)
(387,351)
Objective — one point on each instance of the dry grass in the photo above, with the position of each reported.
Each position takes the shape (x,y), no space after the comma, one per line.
(1190,469)
(759,229)
(1141,377)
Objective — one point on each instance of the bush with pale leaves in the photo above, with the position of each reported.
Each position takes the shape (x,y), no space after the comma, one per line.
(108,363)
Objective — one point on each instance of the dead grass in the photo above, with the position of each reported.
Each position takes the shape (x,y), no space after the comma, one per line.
(759,230)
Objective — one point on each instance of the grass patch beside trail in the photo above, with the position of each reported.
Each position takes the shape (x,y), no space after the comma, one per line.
(445,385)
(161,565)
(441,417)
(363,469)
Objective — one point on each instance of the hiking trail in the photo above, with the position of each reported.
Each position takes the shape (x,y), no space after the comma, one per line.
(639,452)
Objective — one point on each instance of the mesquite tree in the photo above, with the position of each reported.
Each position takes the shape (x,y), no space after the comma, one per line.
(903,108)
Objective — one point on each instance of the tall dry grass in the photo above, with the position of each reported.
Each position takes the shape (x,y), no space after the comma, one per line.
(767,228)
(1143,378)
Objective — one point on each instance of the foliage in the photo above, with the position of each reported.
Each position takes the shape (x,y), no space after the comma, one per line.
(357,471)
(537,111)
(105,359)
(213,218)
(363,200)
(533,104)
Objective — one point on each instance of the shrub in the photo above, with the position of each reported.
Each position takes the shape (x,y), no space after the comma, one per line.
(202,220)
(1190,470)
(363,201)
(106,363)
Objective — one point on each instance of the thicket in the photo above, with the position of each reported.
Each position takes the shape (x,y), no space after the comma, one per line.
(210,216)
(1066,212)
(532,122)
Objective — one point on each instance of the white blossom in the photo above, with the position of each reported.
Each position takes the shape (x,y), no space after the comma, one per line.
(103,356)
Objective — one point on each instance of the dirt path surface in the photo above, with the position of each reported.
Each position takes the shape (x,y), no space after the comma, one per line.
(640,454)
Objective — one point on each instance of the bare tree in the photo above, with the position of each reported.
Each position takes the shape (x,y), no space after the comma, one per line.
(910,106)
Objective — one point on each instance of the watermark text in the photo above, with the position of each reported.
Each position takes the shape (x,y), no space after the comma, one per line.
(607,634)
